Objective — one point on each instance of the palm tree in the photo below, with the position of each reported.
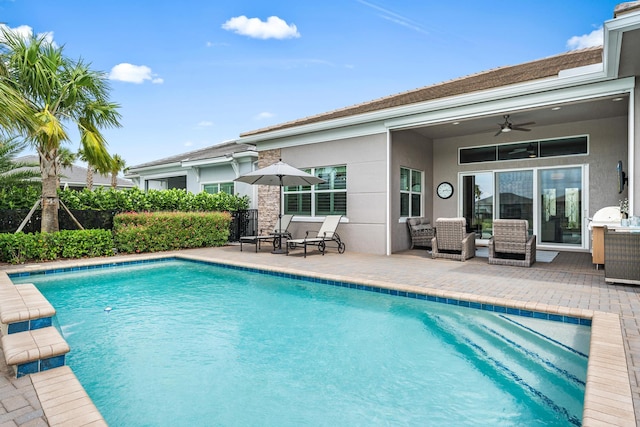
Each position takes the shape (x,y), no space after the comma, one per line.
(91,169)
(57,91)
(65,160)
(117,165)
(13,173)
(14,112)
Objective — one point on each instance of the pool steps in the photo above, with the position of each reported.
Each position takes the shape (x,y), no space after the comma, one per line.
(23,308)
(29,342)
(31,345)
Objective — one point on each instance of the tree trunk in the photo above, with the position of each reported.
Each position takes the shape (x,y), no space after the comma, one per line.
(50,202)
(90,177)
(114,180)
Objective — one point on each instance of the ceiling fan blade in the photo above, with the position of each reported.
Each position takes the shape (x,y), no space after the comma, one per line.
(498,133)
(524,124)
(520,129)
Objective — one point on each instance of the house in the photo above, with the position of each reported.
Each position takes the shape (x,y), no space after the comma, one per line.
(539,140)
(75,177)
(210,169)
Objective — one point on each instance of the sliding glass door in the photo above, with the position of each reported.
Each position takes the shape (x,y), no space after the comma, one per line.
(551,199)
(561,207)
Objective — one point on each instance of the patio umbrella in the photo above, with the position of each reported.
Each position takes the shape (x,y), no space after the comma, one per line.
(280,174)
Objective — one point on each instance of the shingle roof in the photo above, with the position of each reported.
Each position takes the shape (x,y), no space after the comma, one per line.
(211,152)
(77,175)
(491,79)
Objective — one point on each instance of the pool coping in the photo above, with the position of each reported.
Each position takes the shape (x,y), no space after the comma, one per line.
(607,401)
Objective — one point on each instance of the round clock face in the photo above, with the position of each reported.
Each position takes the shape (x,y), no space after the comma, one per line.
(445,190)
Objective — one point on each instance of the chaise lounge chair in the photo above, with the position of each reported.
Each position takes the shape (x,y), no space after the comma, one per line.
(326,234)
(452,240)
(273,237)
(511,243)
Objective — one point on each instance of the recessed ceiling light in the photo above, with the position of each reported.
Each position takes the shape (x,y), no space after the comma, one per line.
(556,108)
(455,123)
(617,99)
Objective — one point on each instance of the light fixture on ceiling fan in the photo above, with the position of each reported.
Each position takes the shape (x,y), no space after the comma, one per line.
(507,126)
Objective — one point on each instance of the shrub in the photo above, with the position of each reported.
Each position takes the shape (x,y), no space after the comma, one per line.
(20,247)
(136,200)
(161,231)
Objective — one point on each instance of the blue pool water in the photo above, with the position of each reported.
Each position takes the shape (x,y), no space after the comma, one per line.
(193,344)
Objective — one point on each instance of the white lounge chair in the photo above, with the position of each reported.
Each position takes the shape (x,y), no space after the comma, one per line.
(275,236)
(326,234)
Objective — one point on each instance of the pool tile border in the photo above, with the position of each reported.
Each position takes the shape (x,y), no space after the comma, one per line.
(608,400)
(386,290)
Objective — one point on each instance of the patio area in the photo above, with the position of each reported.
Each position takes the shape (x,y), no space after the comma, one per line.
(570,280)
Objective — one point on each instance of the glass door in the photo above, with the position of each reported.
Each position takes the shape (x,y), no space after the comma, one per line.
(477,203)
(515,195)
(561,207)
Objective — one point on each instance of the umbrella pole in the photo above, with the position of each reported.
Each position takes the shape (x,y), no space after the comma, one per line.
(280,234)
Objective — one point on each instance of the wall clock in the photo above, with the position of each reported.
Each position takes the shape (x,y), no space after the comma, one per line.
(445,190)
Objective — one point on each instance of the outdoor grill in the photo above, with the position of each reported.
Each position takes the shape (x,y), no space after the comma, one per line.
(609,216)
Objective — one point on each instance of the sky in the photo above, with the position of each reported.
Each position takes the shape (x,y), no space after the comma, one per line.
(191,74)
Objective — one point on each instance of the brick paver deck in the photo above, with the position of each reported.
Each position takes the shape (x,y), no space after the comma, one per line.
(569,281)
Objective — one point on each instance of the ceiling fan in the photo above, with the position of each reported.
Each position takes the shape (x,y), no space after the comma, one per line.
(507,126)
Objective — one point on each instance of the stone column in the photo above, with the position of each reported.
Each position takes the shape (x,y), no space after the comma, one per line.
(268,195)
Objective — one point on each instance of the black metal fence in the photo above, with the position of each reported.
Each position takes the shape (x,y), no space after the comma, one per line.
(243,223)
(11,219)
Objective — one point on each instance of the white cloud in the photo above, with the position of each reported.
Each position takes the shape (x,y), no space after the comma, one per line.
(264,115)
(188,144)
(25,32)
(595,38)
(272,28)
(129,73)
(205,124)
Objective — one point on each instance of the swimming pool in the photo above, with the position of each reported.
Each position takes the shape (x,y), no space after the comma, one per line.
(210,345)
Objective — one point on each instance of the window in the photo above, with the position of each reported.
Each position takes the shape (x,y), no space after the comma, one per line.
(528,149)
(224,187)
(410,192)
(329,198)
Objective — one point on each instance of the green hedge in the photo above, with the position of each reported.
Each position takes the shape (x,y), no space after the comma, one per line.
(20,247)
(161,231)
(128,200)
(136,200)
(132,233)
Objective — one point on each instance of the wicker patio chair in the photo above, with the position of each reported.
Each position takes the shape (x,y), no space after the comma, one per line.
(511,243)
(452,240)
(621,257)
(421,231)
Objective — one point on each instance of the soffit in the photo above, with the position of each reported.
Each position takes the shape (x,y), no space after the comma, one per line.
(592,109)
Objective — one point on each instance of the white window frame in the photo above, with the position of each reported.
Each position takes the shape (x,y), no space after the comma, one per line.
(219,183)
(410,192)
(313,191)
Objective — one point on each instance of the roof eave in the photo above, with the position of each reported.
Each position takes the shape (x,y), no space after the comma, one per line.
(588,75)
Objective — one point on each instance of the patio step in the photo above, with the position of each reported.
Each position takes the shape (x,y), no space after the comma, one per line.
(34,351)
(64,401)
(23,308)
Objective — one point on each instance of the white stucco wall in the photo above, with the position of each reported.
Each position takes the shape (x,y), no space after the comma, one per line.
(365,158)
(411,150)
